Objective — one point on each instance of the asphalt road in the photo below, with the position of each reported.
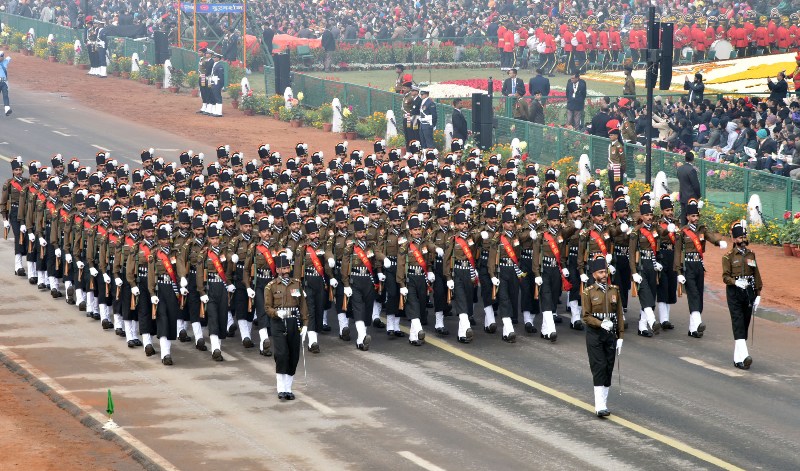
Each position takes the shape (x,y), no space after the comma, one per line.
(487,405)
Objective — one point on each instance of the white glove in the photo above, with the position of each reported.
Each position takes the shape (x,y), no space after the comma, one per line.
(230,288)
(671,227)
(451,284)
(79,264)
(609,258)
(387,263)
(68,258)
(439,251)
(756,302)
(700,204)
(723,245)
(93,271)
(118,281)
(740,283)
(333,282)
(184,292)
(484,235)
(381,277)
(607,325)
(43,242)
(624,227)
(431,277)
(348,291)
(565,272)
(637,278)
(578,224)
(184,282)
(403,291)
(106,279)
(22,228)
(538,280)
(331,262)
(135,291)
(534,235)
(7,224)
(659,266)
(58,253)
(584,278)
(495,281)
(251,293)
(681,279)
(303,333)
(619,346)
(32,237)
(612,269)
(235,258)
(154,299)
(204,299)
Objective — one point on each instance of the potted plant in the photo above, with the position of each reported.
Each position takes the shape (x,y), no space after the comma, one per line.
(124,65)
(274,104)
(176,79)
(82,59)
(144,74)
(326,116)
(284,114)
(157,76)
(113,66)
(66,53)
(248,105)
(297,111)
(191,81)
(235,94)
(349,123)
(52,47)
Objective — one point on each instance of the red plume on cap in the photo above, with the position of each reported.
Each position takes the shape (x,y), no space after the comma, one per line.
(202,45)
(89,19)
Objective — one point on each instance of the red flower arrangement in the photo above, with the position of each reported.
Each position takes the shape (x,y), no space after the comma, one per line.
(497,85)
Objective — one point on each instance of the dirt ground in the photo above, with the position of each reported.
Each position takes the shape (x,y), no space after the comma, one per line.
(39,435)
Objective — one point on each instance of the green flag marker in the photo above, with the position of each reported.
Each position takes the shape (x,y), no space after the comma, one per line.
(110,406)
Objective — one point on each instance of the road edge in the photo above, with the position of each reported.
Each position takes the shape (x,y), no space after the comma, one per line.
(140,453)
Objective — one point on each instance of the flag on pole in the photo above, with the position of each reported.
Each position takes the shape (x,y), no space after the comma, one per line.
(110,406)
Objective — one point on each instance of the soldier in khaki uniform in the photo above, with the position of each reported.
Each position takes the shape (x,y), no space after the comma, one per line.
(646,267)
(602,315)
(742,278)
(414,276)
(616,159)
(389,248)
(137,274)
(162,283)
(130,319)
(334,252)
(241,249)
(461,273)
(308,268)
(285,304)
(10,209)
(439,235)
(189,254)
(504,267)
(214,286)
(359,270)
(376,232)
(259,271)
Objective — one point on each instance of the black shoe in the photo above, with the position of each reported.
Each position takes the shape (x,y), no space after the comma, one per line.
(492,328)
(472,321)
(326,328)
(510,338)
(656,328)
(467,338)
(646,333)
(217,355)
(557,319)
(82,306)
(119,332)
(137,342)
(313,348)
(183,336)
(603,413)
(201,345)
(747,362)
(70,300)
(399,333)
(421,335)
(42,286)
(20,272)
(442,331)
(149,350)
(345,335)
(389,333)
(232,329)
(696,335)
(71,293)
(167,360)
(378,323)
(577,325)
(667,325)
(701,328)
(247,343)
(416,343)
(289,396)
(55,293)
(8,113)
(131,344)
(106,324)
(33,280)
(96,316)
(551,337)
(281,395)
(529,328)
(365,346)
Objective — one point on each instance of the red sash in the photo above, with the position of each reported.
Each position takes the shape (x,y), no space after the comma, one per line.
(364,260)
(217,266)
(600,242)
(565,283)
(113,239)
(145,249)
(41,195)
(414,250)
(671,235)
(129,241)
(465,248)
(695,240)
(268,257)
(315,261)
(87,225)
(77,219)
(509,249)
(167,266)
(102,231)
(64,215)
(52,208)
(16,185)
(652,240)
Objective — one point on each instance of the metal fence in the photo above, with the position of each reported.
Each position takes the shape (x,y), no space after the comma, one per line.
(41,29)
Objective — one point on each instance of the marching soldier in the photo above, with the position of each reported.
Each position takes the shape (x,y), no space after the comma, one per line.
(438,236)
(60,236)
(742,278)
(528,235)
(259,271)
(137,274)
(504,266)
(309,269)
(359,280)
(548,268)
(646,267)
(285,304)
(577,277)
(689,249)
(214,287)
(668,281)
(482,237)
(616,159)
(10,206)
(162,283)
(602,315)
(620,230)
(389,249)
(241,249)
(461,273)
(334,252)
(414,277)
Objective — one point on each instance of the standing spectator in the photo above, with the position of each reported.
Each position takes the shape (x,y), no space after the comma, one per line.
(329,44)
(460,130)
(629,89)
(4,81)
(513,84)
(539,83)
(267,35)
(695,88)
(537,109)
(427,120)
(599,122)
(778,90)
(521,110)
(689,183)
(576,101)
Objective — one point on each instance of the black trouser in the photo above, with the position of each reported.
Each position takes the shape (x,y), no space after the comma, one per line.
(486,283)
(550,291)
(167,311)
(668,282)
(13,215)
(128,314)
(363,297)
(508,292)
(574,275)
(101,57)
(239,302)
(695,283)
(93,59)
(262,319)
(216,92)
(316,293)
(146,323)
(440,289)
(741,309)
(622,277)
(286,344)
(648,286)
(205,94)
(392,291)
(417,298)
(462,291)
(527,290)
(217,309)
(600,345)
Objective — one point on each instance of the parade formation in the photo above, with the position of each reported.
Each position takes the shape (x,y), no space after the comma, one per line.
(283,249)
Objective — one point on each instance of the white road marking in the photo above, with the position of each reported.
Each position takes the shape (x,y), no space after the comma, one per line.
(27,120)
(421,462)
(317,405)
(7,159)
(695,361)
(101,148)
(63,134)
(167,150)
(3,143)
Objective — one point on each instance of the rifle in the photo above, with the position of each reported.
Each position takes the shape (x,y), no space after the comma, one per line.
(683,265)
(205,281)
(153,310)
(634,285)
(5,234)
(496,262)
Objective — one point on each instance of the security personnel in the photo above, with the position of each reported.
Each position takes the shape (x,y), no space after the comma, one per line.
(213,285)
(359,280)
(217,82)
(427,120)
(91,47)
(285,304)
(689,249)
(137,275)
(410,113)
(260,270)
(162,283)
(205,66)
(415,276)
(308,268)
(602,315)
(645,264)
(616,159)
(742,278)
(9,206)
(668,281)
(504,267)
